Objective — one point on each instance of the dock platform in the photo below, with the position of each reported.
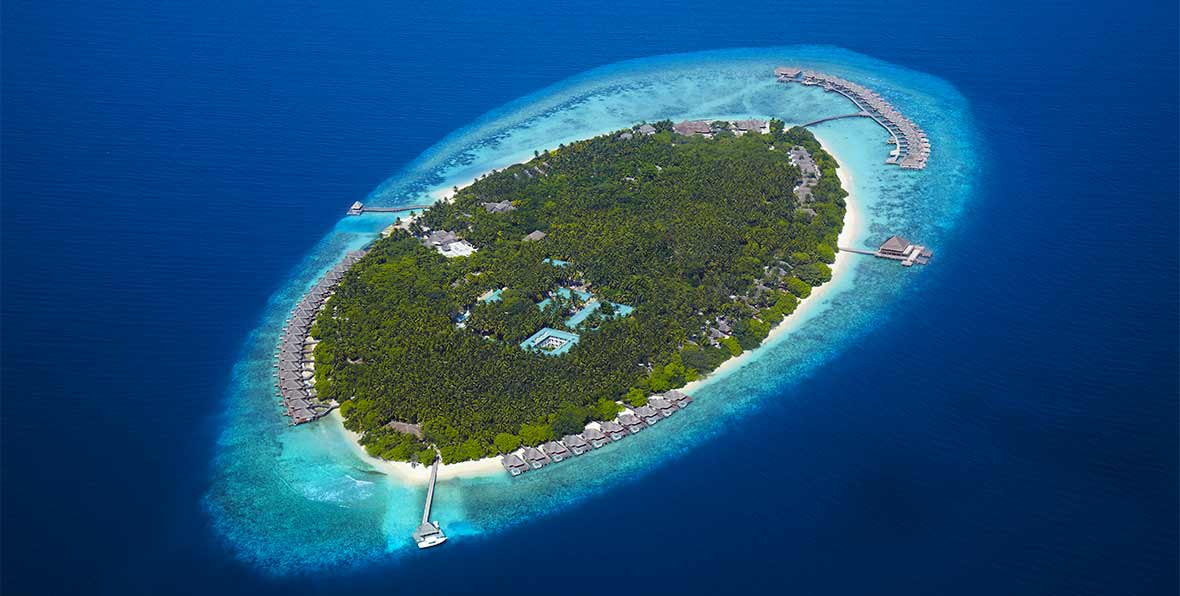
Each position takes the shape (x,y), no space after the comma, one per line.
(896,248)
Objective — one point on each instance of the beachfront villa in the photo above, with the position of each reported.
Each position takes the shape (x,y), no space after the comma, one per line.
(648,414)
(576,444)
(556,451)
(535,458)
(632,423)
(595,437)
(613,430)
(514,464)
(552,342)
(535,236)
(691,127)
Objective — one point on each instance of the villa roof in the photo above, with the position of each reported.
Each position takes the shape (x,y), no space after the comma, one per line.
(646,412)
(441,237)
(895,243)
(512,461)
(677,396)
(554,448)
(611,426)
(533,454)
(647,129)
(660,403)
(689,127)
(592,433)
(534,236)
(574,441)
(629,420)
(501,207)
(750,124)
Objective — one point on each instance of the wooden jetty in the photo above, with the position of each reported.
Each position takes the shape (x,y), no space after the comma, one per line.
(912,146)
(359,208)
(428,533)
(897,248)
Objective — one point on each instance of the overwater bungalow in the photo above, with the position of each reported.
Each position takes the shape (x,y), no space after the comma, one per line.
(595,437)
(576,444)
(514,464)
(896,246)
(632,423)
(535,458)
(556,451)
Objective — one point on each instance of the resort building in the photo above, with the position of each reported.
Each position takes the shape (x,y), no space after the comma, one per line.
(648,414)
(663,406)
(691,127)
(535,458)
(632,423)
(647,129)
(678,397)
(754,126)
(552,342)
(576,444)
(613,429)
(501,207)
(514,464)
(595,437)
(556,451)
(535,236)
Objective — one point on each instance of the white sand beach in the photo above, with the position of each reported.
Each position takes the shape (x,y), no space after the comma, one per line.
(851,232)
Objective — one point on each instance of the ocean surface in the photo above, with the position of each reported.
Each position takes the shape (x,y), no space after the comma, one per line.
(1001,421)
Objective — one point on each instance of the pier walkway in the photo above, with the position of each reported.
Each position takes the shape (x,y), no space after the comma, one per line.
(840,117)
(428,533)
(359,208)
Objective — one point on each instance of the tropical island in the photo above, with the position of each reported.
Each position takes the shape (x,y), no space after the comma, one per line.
(550,293)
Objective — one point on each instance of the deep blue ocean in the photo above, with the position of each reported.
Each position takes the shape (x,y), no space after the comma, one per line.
(167,165)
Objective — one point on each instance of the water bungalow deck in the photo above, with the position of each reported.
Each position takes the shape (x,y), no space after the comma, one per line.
(912,146)
(294,359)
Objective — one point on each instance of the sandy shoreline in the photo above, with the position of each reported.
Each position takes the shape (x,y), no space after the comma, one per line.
(850,232)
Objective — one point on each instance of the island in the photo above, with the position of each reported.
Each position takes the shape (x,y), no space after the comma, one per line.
(603,274)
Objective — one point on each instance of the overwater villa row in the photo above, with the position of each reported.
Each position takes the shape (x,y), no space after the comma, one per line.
(596,434)
(295,357)
(912,146)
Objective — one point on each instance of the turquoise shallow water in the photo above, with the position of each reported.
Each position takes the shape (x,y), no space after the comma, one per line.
(296,499)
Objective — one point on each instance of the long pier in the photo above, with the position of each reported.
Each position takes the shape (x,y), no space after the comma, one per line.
(912,146)
(294,360)
(861,114)
(359,208)
(430,491)
(428,533)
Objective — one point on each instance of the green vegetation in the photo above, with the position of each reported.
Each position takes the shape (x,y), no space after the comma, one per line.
(689,231)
